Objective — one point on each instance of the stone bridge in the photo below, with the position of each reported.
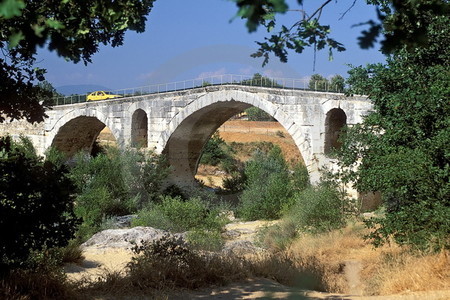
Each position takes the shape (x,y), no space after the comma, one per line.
(179,123)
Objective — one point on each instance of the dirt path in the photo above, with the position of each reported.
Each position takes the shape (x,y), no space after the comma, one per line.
(268,289)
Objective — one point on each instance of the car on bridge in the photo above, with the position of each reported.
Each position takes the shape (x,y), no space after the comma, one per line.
(102,95)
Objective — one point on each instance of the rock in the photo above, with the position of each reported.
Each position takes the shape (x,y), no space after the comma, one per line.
(231,234)
(229,214)
(123,221)
(241,248)
(126,238)
(369,215)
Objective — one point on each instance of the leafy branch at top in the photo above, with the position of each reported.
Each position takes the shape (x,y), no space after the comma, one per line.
(74,30)
(401,22)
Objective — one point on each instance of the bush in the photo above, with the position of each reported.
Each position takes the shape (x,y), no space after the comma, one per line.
(170,263)
(279,236)
(36,204)
(177,215)
(208,240)
(317,209)
(257,114)
(300,178)
(268,189)
(118,182)
(217,153)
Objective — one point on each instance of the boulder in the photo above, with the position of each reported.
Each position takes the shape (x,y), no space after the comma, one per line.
(242,247)
(126,238)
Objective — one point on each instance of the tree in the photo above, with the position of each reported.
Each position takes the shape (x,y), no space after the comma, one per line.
(268,188)
(36,204)
(73,30)
(402,147)
(402,23)
(50,90)
(337,84)
(318,83)
(255,113)
(260,80)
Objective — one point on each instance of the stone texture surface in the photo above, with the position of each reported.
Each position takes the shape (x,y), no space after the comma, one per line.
(126,238)
(180,123)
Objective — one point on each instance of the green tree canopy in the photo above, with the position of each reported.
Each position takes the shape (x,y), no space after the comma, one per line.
(260,80)
(337,83)
(36,204)
(402,147)
(72,29)
(318,83)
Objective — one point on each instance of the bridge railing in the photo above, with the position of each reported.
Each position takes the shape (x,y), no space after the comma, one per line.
(226,79)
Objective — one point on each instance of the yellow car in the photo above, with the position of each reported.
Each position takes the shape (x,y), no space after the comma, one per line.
(101,95)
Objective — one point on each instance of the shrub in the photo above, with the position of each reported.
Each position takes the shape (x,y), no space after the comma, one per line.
(235,182)
(36,204)
(208,240)
(300,178)
(280,134)
(217,153)
(318,209)
(277,237)
(268,188)
(170,263)
(118,182)
(257,114)
(176,215)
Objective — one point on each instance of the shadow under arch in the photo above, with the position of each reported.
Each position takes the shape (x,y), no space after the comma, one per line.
(335,120)
(139,129)
(78,134)
(182,143)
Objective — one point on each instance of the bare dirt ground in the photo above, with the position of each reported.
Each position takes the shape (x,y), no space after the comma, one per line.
(242,131)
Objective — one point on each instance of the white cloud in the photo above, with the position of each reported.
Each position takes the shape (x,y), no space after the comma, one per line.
(247,71)
(221,71)
(145,76)
(273,73)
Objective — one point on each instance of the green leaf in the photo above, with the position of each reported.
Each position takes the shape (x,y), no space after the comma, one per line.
(11,8)
(15,39)
(55,24)
(38,29)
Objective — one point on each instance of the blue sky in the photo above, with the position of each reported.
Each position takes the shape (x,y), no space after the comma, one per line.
(186,39)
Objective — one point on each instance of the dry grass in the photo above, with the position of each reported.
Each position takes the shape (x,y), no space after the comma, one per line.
(316,262)
(406,272)
(383,271)
(32,285)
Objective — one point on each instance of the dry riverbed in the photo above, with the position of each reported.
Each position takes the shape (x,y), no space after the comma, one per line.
(100,260)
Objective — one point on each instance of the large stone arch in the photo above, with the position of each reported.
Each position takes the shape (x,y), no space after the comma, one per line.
(187,132)
(77,130)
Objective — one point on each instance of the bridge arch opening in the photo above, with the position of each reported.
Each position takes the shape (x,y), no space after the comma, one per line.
(335,120)
(185,145)
(139,129)
(84,134)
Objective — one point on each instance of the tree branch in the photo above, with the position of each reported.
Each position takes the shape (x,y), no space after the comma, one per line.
(344,13)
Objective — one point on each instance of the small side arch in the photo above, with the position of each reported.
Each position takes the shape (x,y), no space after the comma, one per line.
(139,129)
(77,130)
(335,120)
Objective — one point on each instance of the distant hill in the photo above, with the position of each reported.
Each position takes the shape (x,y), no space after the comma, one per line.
(80,89)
